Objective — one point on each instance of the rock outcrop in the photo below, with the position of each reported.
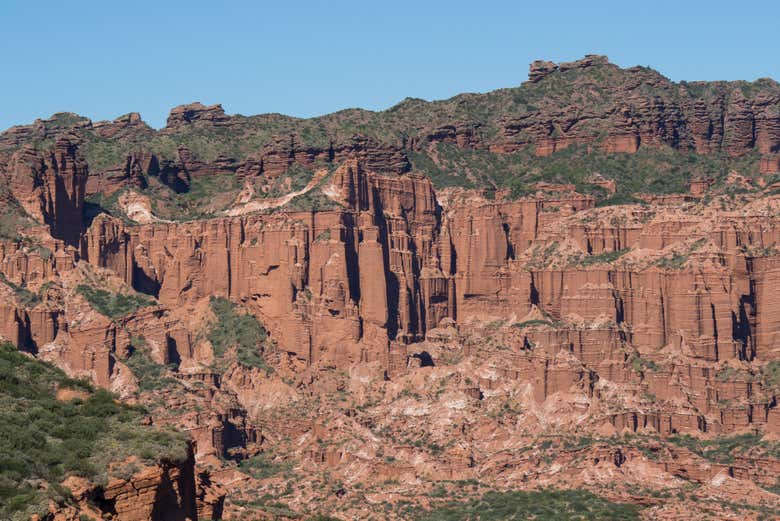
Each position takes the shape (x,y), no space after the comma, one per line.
(278,156)
(347,286)
(50,186)
(164,492)
(625,117)
(122,126)
(413,334)
(351,285)
(589,102)
(197,113)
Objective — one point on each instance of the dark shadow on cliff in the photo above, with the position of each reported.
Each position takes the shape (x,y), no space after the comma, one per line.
(425,358)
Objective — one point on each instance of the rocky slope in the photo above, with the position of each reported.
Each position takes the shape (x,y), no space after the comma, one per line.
(71,452)
(566,285)
(586,102)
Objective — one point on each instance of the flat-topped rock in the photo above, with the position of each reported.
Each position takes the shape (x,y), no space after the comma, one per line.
(196,113)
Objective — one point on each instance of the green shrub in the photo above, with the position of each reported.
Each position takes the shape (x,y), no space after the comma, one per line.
(12,218)
(770,375)
(262,466)
(650,170)
(241,331)
(722,449)
(534,322)
(640,365)
(151,376)
(323,236)
(544,505)
(42,438)
(675,262)
(541,258)
(100,203)
(113,305)
(726,373)
(25,296)
(602,258)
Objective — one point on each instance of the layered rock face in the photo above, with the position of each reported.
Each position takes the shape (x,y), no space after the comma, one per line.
(43,129)
(589,102)
(304,272)
(130,173)
(165,492)
(417,334)
(389,268)
(350,286)
(196,113)
(356,285)
(680,116)
(50,186)
(278,156)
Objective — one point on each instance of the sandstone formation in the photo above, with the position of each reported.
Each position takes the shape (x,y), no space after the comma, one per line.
(417,335)
(196,113)
(50,187)
(679,300)
(725,120)
(588,102)
(160,493)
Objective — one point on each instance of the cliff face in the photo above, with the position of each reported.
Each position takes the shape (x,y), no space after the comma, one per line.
(357,284)
(163,492)
(587,103)
(304,272)
(50,186)
(705,118)
(389,263)
(391,326)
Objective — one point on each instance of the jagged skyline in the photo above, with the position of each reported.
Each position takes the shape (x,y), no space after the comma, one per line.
(317,60)
(557,299)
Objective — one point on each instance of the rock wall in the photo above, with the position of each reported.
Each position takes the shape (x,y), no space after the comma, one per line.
(50,186)
(359,283)
(163,492)
(718,117)
(301,271)
(309,272)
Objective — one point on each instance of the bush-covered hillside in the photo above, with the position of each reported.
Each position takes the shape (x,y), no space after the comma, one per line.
(545,505)
(52,426)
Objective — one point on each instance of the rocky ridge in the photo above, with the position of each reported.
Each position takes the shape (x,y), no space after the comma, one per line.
(413,343)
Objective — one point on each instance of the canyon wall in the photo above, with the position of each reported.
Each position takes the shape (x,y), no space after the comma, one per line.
(393,307)
(163,492)
(359,284)
(50,186)
(589,102)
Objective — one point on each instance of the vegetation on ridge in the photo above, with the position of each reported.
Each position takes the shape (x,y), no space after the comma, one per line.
(557,505)
(599,87)
(48,437)
(236,330)
(660,170)
(150,375)
(113,305)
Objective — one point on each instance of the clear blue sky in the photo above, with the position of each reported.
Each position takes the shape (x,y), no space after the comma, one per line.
(103,59)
